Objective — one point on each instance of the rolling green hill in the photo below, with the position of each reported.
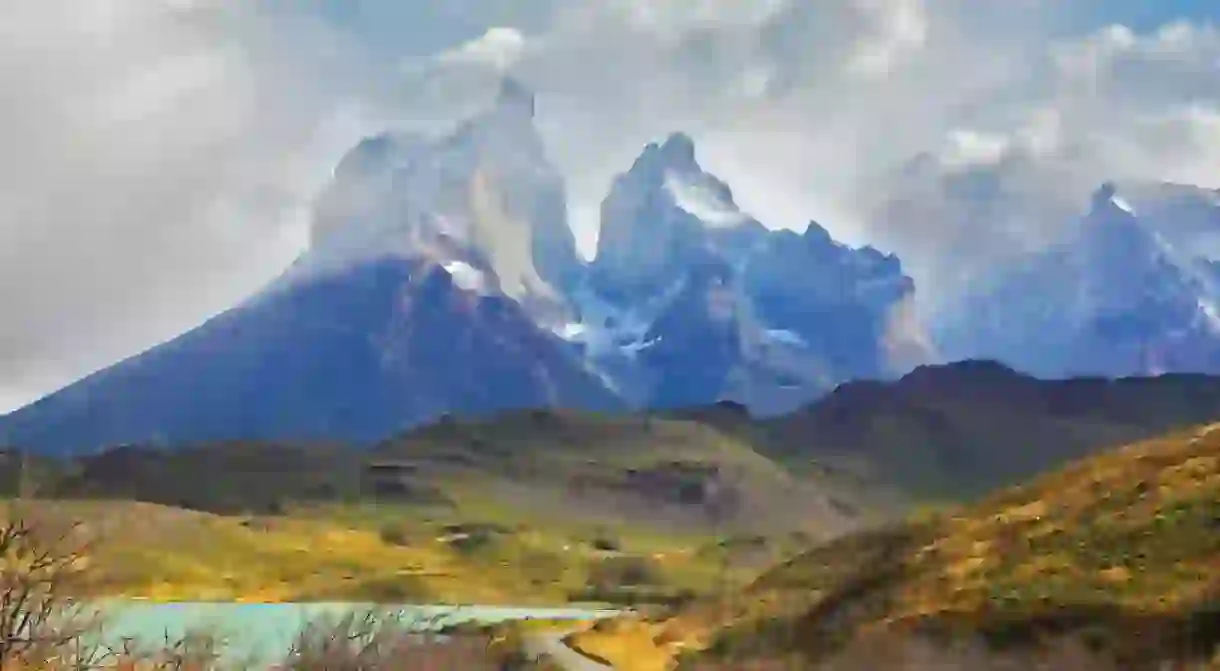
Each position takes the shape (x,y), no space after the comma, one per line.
(694,501)
(530,507)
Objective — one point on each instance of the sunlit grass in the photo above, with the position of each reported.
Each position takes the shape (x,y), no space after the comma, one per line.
(347,552)
(1131,536)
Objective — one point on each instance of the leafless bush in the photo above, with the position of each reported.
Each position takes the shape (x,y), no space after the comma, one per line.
(42,567)
(44,570)
(378,641)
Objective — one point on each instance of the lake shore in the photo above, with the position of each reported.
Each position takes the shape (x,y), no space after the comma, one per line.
(264,632)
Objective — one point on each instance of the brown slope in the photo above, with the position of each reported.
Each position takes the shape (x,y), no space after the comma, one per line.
(662,473)
(1122,549)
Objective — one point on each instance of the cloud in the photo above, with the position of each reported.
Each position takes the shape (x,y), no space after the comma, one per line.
(816,111)
(160,158)
(797,105)
(499,48)
(156,157)
(1110,105)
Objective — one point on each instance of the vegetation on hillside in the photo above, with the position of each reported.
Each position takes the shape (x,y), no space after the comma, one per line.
(44,625)
(532,507)
(552,507)
(950,432)
(1114,559)
(377,555)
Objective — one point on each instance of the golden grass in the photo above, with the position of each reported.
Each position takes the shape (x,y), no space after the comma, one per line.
(626,644)
(1132,535)
(160,553)
(193,556)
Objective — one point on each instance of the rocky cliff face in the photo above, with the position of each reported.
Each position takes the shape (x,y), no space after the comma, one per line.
(442,277)
(352,356)
(432,264)
(1117,297)
(722,307)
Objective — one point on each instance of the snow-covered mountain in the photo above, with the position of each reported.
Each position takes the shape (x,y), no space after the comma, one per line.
(442,277)
(484,199)
(432,262)
(1131,291)
(708,303)
(662,216)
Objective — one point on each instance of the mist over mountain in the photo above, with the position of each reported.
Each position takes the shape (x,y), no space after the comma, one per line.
(417,298)
(442,277)
(715,305)
(1124,293)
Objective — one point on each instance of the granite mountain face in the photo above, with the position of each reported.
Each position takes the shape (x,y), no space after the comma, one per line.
(710,304)
(442,277)
(351,356)
(1130,292)
(418,296)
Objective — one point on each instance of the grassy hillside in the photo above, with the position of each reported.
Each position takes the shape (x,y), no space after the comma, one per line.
(1120,551)
(529,507)
(655,474)
(578,506)
(952,432)
(351,553)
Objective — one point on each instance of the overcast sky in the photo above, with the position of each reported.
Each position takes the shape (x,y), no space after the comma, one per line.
(159,155)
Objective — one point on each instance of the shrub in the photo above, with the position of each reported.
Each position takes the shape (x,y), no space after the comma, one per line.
(626,571)
(604,543)
(394,534)
(41,565)
(44,564)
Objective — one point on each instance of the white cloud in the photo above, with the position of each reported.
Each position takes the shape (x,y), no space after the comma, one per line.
(158,160)
(896,28)
(966,148)
(155,159)
(500,48)
(808,109)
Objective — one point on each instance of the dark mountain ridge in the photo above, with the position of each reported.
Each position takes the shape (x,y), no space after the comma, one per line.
(965,428)
(351,356)
(442,277)
(942,432)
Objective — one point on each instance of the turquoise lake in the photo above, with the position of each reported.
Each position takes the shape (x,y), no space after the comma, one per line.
(262,633)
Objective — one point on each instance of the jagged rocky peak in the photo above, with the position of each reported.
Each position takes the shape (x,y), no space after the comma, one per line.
(515,95)
(813,264)
(1122,294)
(1104,194)
(816,233)
(1186,217)
(644,235)
(505,127)
(664,214)
(673,155)
(485,190)
(1106,202)
(370,155)
(677,150)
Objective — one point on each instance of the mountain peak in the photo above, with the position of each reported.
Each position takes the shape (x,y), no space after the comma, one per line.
(1105,192)
(1107,199)
(678,148)
(817,233)
(675,153)
(515,95)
